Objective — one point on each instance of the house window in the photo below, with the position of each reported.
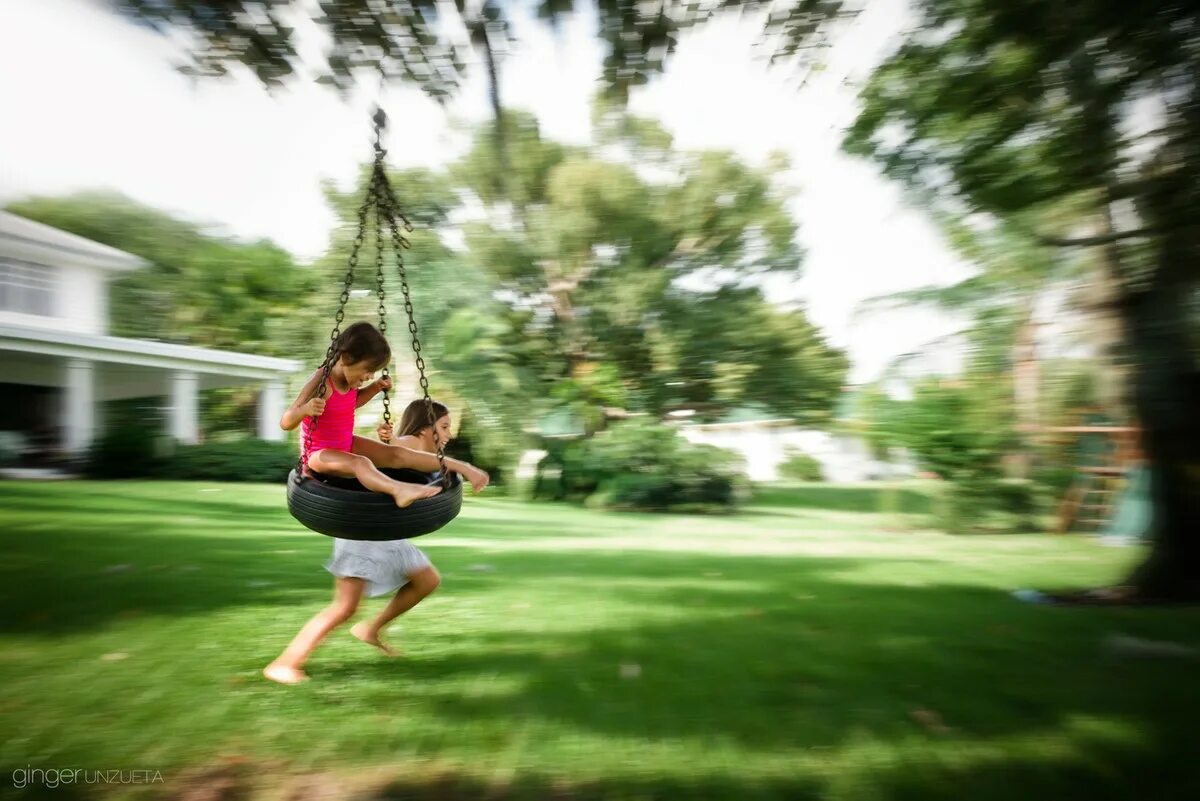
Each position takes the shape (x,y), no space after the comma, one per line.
(27,288)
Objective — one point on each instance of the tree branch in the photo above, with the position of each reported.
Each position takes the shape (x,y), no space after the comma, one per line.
(1096,241)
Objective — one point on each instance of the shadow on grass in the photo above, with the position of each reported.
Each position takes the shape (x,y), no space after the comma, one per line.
(784,655)
(79,555)
(452,788)
(1040,710)
(1030,778)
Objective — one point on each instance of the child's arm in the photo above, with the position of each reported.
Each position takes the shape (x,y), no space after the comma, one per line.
(478,478)
(305,404)
(371,390)
(428,462)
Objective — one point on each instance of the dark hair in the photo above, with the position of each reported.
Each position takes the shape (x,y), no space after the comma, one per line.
(362,342)
(416,417)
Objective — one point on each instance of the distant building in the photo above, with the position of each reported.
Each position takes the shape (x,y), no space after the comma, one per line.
(766,443)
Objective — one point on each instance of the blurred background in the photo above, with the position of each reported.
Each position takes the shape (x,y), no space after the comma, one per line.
(901,270)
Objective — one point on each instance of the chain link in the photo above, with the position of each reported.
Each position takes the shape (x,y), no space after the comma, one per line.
(378,176)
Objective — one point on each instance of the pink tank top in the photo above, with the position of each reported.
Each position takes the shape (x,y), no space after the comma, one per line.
(335,426)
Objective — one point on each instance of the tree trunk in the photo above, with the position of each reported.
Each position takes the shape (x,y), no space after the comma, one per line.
(1167,398)
(1168,364)
(483,37)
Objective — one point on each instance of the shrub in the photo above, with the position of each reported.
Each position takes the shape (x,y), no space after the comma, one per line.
(12,447)
(1052,483)
(987,504)
(236,460)
(125,451)
(641,465)
(799,466)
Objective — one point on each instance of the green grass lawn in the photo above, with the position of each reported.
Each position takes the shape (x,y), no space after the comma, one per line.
(786,652)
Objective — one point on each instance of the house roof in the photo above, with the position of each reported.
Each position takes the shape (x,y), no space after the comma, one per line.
(44,244)
(141,352)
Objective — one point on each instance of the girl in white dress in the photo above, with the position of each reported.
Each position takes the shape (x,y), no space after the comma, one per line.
(378,568)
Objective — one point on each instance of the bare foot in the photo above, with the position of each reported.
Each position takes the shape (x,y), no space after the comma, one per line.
(405,494)
(284,674)
(363,632)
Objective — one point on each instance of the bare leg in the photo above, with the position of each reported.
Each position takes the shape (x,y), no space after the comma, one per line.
(418,588)
(383,455)
(286,668)
(349,465)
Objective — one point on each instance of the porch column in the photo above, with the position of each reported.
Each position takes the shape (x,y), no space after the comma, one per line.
(185,425)
(79,408)
(270,409)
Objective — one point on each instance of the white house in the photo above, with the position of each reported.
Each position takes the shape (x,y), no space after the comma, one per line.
(765,444)
(58,363)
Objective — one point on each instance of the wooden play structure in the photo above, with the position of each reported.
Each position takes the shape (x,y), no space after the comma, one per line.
(1105,456)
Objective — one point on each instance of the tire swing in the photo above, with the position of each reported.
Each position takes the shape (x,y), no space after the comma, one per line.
(339,507)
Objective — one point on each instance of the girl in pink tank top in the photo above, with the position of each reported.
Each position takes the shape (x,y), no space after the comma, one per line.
(326,418)
(335,426)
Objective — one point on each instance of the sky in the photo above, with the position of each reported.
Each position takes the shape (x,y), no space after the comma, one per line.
(90,101)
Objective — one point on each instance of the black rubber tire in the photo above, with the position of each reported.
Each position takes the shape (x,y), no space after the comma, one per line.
(344,508)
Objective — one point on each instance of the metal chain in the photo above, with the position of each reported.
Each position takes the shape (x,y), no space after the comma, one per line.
(399,245)
(381,195)
(331,352)
(379,209)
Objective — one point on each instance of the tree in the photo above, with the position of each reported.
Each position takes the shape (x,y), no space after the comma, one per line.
(583,285)
(422,43)
(425,42)
(732,349)
(1018,108)
(641,289)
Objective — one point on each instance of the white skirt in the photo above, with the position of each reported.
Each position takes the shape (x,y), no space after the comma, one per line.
(386,566)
